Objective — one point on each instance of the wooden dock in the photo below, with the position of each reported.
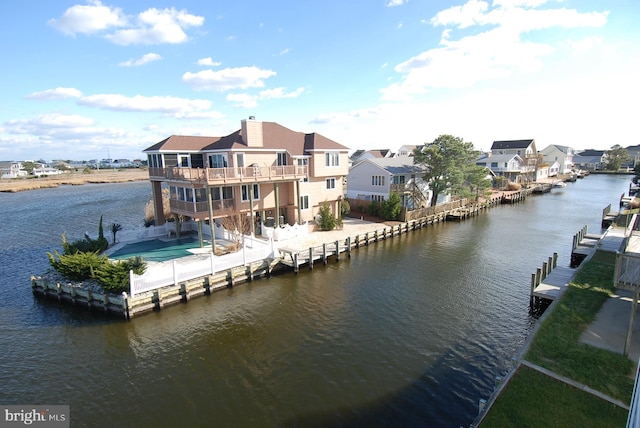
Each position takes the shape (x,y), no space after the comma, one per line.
(608,216)
(583,244)
(295,257)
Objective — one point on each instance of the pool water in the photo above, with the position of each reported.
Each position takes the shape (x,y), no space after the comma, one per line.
(158,250)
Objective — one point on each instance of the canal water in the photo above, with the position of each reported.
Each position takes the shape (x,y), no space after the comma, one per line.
(412,331)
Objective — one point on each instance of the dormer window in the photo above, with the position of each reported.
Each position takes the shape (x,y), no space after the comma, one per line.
(281,159)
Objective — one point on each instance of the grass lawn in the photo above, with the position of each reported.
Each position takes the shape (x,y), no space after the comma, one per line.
(531,397)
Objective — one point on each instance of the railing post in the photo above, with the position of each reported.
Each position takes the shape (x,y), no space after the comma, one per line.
(175,273)
(131,288)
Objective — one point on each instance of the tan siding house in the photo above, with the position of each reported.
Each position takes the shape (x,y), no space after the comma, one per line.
(263,170)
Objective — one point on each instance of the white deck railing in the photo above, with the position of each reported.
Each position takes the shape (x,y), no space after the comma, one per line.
(173,272)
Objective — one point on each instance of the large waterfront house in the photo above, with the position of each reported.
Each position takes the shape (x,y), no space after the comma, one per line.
(263,170)
(561,154)
(375,179)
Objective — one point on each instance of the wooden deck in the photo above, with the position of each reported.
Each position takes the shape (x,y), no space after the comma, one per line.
(552,287)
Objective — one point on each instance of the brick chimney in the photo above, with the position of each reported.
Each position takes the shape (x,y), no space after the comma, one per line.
(252,132)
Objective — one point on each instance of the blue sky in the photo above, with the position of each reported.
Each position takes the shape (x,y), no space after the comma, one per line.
(84,79)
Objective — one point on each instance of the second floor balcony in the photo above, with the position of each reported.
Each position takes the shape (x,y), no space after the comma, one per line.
(200,210)
(230,176)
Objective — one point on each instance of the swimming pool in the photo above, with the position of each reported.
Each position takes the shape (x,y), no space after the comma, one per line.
(158,250)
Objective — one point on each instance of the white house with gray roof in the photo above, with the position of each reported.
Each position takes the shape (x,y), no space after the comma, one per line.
(561,154)
(376,179)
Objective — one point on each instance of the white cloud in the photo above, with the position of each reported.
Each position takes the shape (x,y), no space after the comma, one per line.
(251,101)
(55,94)
(583,45)
(150,27)
(208,62)
(144,59)
(392,3)
(142,103)
(88,19)
(346,118)
(243,100)
(228,79)
(155,26)
(280,93)
(495,53)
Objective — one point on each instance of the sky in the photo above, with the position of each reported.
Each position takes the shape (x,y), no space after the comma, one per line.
(96,79)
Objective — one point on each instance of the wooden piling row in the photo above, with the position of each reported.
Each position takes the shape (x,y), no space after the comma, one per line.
(129,307)
(294,259)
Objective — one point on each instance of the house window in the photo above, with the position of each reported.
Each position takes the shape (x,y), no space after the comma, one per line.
(494,164)
(184,161)
(220,193)
(303,163)
(155,161)
(281,159)
(245,192)
(332,159)
(217,161)
(331,183)
(197,160)
(171,159)
(377,198)
(201,195)
(398,179)
(304,202)
(377,180)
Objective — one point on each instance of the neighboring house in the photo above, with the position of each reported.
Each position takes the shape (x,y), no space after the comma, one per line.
(544,171)
(525,149)
(510,166)
(554,169)
(376,179)
(263,170)
(360,155)
(634,154)
(41,170)
(561,154)
(590,160)
(12,169)
(406,150)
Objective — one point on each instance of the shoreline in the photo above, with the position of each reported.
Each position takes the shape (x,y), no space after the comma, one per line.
(75,178)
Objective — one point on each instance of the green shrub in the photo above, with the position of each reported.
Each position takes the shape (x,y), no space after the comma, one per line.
(76,266)
(114,277)
(345,208)
(390,209)
(327,221)
(374,208)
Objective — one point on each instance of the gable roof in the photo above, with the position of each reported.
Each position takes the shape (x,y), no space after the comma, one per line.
(511,144)
(591,152)
(499,158)
(275,137)
(563,149)
(398,165)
